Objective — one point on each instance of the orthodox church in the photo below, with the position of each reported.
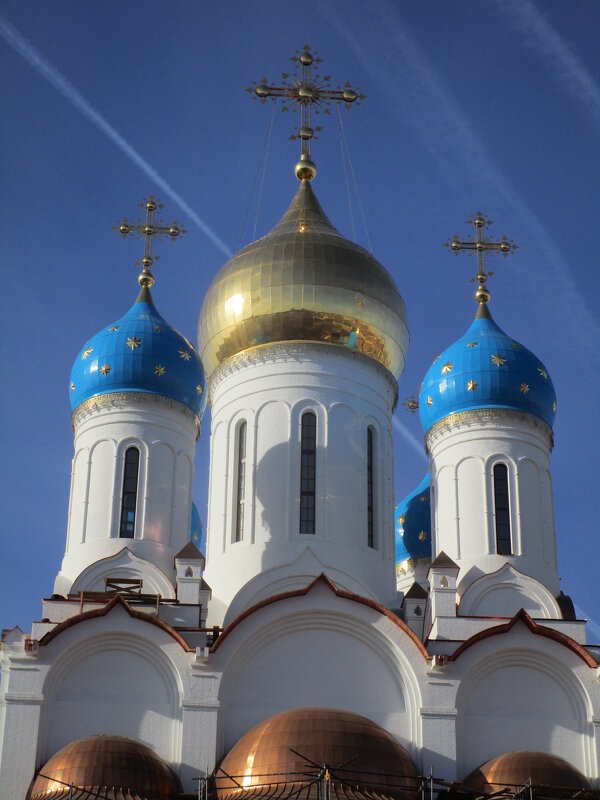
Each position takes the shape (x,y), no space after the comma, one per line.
(328,641)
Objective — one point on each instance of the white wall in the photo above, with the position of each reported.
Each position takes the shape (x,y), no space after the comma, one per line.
(270,388)
(165,434)
(463,454)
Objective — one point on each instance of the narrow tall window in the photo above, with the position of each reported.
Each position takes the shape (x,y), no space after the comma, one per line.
(502,510)
(130,490)
(241,483)
(308,462)
(370,490)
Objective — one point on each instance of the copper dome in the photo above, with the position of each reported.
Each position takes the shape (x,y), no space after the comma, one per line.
(112,766)
(262,762)
(517,769)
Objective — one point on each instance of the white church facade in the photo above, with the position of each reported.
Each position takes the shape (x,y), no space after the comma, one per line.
(328,640)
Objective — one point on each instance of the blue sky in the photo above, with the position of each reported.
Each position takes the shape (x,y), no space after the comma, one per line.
(470,105)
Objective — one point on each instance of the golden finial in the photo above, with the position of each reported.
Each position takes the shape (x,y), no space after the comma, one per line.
(411,404)
(481,246)
(148,229)
(313,94)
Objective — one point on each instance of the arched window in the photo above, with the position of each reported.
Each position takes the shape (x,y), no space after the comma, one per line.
(241,482)
(130,490)
(308,464)
(370,488)
(502,510)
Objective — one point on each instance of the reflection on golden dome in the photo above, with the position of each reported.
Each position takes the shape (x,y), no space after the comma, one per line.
(517,769)
(303,281)
(112,766)
(262,762)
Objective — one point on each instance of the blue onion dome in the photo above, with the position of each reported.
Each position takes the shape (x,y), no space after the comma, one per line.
(196,530)
(413,523)
(486,368)
(140,352)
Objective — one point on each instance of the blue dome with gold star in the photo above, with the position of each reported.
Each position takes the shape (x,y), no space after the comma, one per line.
(140,352)
(413,523)
(486,368)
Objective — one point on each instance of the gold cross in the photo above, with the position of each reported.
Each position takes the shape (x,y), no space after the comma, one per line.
(481,246)
(148,229)
(313,94)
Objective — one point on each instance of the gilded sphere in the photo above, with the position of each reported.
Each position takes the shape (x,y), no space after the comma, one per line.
(455,245)
(304,281)
(261,90)
(147,261)
(306,92)
(174,231)
(349,95)
(504,247)
(306,59)
(151,205)
(305,169)
(124,228)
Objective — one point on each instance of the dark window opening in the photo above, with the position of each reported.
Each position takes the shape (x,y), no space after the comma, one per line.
(370,498)
(241,483)
(130,490)
(502,510)
(308,463)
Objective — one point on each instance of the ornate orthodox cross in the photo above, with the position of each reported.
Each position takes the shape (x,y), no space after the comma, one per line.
(313,94)
(149,229)
(481,246)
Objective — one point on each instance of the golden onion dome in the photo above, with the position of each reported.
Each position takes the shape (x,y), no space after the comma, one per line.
(303,281)
(113,767)
(282,756)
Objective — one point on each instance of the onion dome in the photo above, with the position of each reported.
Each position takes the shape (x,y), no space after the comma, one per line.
(140,352)
(108,766)
(413,523)
(514,770)
(486,368)
(263,762)
(304,281)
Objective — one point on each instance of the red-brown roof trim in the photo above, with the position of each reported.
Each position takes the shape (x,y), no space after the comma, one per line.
(103,611)
(536,629)
(322,578)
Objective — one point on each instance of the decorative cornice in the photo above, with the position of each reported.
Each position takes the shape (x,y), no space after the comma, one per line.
(96,613)
(486,416)
(322,579)
(123,399)
(266,353)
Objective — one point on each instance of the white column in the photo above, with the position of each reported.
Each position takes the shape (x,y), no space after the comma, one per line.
(270,388)
(164,432)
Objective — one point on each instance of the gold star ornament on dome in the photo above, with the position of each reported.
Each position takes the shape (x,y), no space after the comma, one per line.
(157,329)
(114,328)
(72,386)
(554,407)
(159,370)
(525,388)
(185,354)
(86,353)
(543,372)
(447,367)
(422,536)
(472,385)
(401,519)
(199,388)
(472,344)
(133,342)
(429,400)
(105,369)
(498,360)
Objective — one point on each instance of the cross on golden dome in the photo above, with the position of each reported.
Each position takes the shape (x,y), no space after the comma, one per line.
(149,228)
(481,246)
(313,94)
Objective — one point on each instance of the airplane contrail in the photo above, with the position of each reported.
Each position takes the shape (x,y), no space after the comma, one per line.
(401,70)
(549,45)
(66,88)
(410,438)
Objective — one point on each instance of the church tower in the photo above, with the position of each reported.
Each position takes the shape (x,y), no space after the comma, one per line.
(303,336)
(137,392)
(487,407)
